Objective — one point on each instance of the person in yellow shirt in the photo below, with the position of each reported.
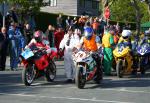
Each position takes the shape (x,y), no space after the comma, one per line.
(107,43)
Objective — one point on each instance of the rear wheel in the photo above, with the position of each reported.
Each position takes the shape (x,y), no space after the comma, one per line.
(28,75)
(51,72)
(119,68)
(80,78)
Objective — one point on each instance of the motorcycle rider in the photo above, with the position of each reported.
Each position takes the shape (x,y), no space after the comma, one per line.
(146,38)
(38,42)
(69,42)
(91,42)
(125,38)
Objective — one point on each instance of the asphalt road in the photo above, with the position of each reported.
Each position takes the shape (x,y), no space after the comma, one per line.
(111,90)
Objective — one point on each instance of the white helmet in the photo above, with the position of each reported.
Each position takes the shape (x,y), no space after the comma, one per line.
(147,32)
(126,33)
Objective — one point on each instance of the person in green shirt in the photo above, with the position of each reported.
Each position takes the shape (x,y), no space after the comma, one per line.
(107,42)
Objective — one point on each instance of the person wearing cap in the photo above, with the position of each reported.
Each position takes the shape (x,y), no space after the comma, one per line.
(107,43)
(14,37)
(125,38)
(69,41)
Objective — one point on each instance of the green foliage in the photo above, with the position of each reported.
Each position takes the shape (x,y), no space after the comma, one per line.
(25,6)
(122,10)
(144,11)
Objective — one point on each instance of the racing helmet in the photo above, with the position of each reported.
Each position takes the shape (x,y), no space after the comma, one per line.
(88,32)
(126,34)
(38,36)
(147,33)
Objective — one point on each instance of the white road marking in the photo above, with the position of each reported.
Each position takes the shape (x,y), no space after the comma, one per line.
(92,100)
(66,98)
(11,84)
(118,90)
(125,90)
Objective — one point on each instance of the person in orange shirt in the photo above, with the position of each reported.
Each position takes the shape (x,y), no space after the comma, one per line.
(90,42)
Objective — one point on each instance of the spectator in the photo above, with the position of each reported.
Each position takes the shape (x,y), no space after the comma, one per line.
(14,36)
(107,42)
(68,22)
(21,39)
(77,32)
(75,23)
(101,27)
(91,20)
(69,42)
(13,14)
(95,26)
(50,35)
(58,36)
(59,21)
(28,33)
(81,22)
(3,48)
(1,20)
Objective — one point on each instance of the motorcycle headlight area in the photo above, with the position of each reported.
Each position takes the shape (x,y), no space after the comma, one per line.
(80,55)
(120,49)
(143,50)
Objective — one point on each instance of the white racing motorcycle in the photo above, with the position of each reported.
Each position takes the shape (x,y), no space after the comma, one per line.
(86,67)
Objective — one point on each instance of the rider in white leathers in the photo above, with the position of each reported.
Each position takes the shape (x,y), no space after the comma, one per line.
(69,41)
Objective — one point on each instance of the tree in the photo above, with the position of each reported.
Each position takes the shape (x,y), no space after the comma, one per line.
(148,6)
(121,11)
(25,7)
(134,3)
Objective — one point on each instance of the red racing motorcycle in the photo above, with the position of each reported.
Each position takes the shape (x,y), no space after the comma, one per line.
(38,63)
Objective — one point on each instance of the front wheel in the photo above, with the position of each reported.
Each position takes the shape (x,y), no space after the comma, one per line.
(80,78)
(119,68)
(142,65)
(51,72)
(28,75)
(99,76)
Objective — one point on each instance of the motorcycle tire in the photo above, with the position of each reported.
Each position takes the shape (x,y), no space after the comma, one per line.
(28,75)
(99,76)
(50,73)
(119,68)
(80,79)
(142,67)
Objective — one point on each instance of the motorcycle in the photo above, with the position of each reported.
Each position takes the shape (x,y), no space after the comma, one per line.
(37,63)
(143,52)
(86,68)
(121,54)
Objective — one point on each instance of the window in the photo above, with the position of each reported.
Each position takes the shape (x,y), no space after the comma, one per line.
(82,3)
(95,4)
(53,2)
(49,2)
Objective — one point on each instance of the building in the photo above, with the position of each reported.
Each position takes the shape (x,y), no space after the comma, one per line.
(72,7)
